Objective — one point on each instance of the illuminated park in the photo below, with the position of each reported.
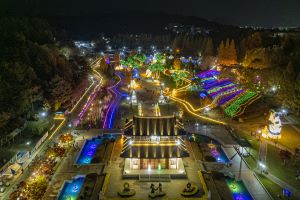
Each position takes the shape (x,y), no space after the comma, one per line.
(147,117)
(183,108)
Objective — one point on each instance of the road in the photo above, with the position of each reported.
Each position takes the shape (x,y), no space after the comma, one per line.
(56,131)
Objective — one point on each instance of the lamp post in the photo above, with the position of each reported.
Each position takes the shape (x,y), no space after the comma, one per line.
(43,114)
(262,167)
(241,162)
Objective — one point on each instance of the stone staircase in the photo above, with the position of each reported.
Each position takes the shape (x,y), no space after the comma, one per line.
(154,177)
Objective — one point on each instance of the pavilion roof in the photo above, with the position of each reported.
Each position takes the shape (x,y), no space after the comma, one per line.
(168,149)
(154,126)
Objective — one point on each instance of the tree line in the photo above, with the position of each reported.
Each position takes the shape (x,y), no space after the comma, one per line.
(272,55)
(33,72)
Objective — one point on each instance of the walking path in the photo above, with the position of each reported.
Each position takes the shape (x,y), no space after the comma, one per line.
(292,122)
(295,191)
(218,133)
(247,176)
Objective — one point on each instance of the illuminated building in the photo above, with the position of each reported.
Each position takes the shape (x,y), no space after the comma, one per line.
(154,144)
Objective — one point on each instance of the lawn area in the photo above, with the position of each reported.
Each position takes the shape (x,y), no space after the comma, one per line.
(274,162)
(297,125)
(285,173)
(253,149)
(289,137)
(193,98)
(273,188)
(168,109)
(295,117)
(168,81)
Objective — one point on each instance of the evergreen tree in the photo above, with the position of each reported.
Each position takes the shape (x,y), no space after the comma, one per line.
(103,65)
(177,64)
(209,48)
(227,43)
(226,52)
(221,53)
(175,44)
(297,94)
(203,45)
(254,41)
(117,59)
(232,55)
(290,68)
(61,91)
(199,45)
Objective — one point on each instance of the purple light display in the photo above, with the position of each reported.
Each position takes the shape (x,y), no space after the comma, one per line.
(208,73)
(214,94)
(224,100)
(218,83)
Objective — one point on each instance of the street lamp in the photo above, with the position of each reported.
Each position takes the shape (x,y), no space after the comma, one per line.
(274,88)
(259,131)
(262,166)
(43,114)
(284,111)
(128,99)
(207,109)
(130,142)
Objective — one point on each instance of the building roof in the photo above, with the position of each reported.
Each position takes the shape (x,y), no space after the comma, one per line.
(148,150)
(154,125)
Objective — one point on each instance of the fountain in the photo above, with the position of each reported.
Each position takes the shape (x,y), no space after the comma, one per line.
(156,192)
(126,192)
(189,190)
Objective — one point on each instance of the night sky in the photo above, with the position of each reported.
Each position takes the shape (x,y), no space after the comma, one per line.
(265,13)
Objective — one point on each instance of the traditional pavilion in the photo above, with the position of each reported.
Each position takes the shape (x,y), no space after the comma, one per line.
(154,143)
